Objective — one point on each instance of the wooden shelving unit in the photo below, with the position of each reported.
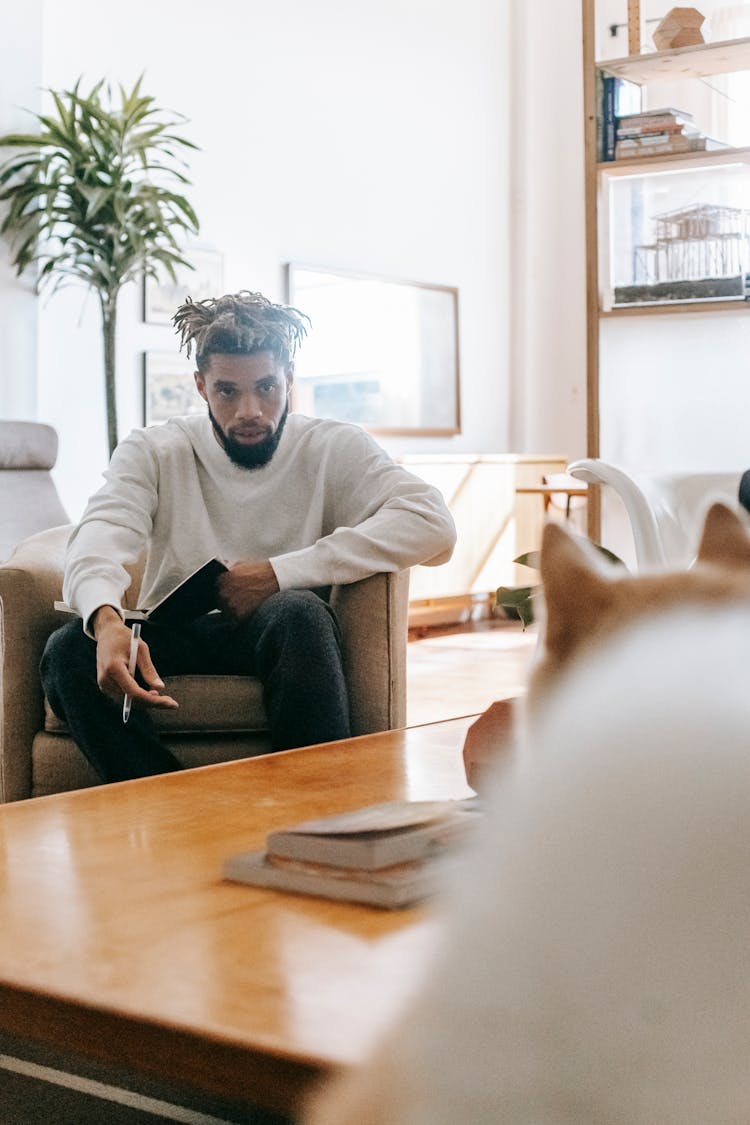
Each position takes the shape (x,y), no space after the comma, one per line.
(641,69)
(674,308)
(686,62)
(669,163)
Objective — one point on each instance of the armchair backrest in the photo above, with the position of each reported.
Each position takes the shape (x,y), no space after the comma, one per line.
(29,500)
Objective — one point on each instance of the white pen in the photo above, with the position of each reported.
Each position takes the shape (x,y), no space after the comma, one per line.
(134,638)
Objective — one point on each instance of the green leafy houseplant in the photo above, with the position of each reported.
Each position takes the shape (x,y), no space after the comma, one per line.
(90,197)
(518,601)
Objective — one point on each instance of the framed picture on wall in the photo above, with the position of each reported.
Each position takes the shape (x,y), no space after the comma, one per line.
(382,353)
(162,298)
(169,387)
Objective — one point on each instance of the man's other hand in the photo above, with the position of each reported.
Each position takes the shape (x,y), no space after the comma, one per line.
(487,740)
(244,587)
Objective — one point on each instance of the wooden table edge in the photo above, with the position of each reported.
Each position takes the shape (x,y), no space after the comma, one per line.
(167,1054)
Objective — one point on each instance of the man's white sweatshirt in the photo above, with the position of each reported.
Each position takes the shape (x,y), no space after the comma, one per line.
(330,508)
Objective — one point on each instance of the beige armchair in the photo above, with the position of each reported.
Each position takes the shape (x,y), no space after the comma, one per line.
(220,717)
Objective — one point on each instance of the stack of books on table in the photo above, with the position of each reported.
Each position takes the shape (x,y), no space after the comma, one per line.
(388,855)
(657,132)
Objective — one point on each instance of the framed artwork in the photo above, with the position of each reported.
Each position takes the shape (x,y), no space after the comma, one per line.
(169,387)
(381,353)
(162,298)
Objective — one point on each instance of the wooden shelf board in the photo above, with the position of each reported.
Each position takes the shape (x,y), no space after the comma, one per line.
(670,162)
(673,307)
(684,62)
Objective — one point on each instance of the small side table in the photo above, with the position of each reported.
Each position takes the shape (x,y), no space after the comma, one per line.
(546,491)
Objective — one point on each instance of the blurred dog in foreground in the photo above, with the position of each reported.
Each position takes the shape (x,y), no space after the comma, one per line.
(595,959)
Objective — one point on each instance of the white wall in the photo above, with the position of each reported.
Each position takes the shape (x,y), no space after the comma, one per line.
(675,392)
(20,82)
(548,277)
(405,138)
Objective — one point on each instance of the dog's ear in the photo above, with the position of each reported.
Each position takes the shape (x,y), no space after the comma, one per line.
(725,540)
(577,592)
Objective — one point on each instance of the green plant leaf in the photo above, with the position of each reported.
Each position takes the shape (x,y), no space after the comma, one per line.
(532,558)
(90,195)
(517,601)
(529,558)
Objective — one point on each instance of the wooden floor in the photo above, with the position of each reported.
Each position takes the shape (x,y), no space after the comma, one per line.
(454,673)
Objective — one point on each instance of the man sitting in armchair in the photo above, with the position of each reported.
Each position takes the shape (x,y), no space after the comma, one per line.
(293,504)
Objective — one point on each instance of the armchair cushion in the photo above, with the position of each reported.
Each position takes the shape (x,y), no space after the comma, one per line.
(208,704)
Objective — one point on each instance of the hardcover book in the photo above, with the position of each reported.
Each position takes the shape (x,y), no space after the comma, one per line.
(667,112)
(388,855)
(662,144)
(394,887)
(376,836)
(615,96)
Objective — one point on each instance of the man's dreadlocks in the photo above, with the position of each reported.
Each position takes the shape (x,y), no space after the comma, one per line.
(239,324)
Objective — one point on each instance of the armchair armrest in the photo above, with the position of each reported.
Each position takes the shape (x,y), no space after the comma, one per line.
(30,582)
(373,617)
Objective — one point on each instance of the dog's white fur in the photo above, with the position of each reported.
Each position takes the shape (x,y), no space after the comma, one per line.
(596,965)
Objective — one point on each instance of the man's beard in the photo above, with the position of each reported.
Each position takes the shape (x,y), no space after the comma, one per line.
(250,456)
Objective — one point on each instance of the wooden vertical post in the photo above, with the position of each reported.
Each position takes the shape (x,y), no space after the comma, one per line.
(591,187)
(634,27)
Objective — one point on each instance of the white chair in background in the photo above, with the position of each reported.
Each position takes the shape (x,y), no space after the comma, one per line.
(666,510)
(29,501)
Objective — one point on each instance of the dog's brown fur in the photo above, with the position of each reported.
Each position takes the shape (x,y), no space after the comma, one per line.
(587,599)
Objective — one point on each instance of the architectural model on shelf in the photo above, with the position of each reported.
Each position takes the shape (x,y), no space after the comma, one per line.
(682,237)
(698,253)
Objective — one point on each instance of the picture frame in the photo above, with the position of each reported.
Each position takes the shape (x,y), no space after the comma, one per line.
(161,299)
(169,388)
(381,352)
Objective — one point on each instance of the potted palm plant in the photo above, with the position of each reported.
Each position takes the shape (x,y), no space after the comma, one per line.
(95,196)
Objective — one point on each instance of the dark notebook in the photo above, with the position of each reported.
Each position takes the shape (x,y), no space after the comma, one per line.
(192,598)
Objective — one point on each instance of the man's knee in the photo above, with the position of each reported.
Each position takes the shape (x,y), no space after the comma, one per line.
(68,650)
(298,613)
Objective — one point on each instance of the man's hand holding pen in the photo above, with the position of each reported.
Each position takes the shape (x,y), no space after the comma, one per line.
(114,643)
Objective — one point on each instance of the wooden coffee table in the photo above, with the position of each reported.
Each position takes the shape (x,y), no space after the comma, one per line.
(121,944)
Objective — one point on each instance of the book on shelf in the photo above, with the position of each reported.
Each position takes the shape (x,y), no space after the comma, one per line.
(655,118)
(609,116)
(615,96)
(190,598)
(390,855)
(659,111)
(673,127)
(631,147)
